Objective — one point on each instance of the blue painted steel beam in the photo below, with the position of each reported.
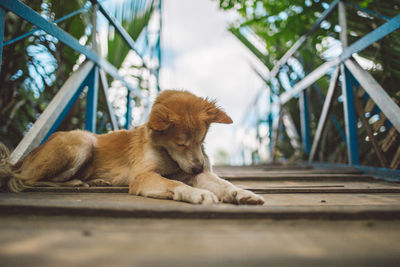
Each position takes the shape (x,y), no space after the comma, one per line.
(159,46)
(128,115)
(357,46)
(127,38)
(76,12)
(31,16)
(367,11)
(2,23)
(333,118)
(304,122)
(371,38)
(349,116)
(67,108)
(302,39)
(91,100)
(102,123)
(270,119)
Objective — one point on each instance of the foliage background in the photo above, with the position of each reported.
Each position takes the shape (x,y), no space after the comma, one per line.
(35,68)
(280,23)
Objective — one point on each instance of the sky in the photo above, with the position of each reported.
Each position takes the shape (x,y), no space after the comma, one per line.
(200,55)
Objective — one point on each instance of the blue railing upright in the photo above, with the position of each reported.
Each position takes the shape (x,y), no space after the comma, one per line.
(345,66)
(89,74)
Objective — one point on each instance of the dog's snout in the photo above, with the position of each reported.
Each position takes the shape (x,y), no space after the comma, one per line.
(197,169)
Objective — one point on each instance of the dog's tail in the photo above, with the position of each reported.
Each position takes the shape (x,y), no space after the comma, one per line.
(8,178)
(5,167)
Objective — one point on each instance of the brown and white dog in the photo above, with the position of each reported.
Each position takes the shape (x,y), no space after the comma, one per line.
(163,158)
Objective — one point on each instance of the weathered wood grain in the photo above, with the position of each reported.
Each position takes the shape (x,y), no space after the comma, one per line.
(86,241)
(310,217)
(124,205)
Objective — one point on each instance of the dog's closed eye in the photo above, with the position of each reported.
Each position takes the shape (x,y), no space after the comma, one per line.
(181,144)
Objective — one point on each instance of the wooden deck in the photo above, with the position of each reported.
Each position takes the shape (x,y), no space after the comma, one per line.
(337,217)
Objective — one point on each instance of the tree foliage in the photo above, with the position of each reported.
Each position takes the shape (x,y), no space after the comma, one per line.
(280,23)
(35,68)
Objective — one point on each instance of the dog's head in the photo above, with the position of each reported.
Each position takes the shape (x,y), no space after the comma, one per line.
(179,122)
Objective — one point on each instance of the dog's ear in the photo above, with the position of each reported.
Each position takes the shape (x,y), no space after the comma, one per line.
(215,114)
(160,118)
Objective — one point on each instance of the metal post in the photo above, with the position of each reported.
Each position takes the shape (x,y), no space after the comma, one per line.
(159,45)
(376,92)
(343,24)
(110,109)
(304,121)
(128,115)
(270,119)
(290,129)
(349,116)
(91,100)
(2,22)
(324,114)
(94,28)
(275,128)
(93,83)
(347,91)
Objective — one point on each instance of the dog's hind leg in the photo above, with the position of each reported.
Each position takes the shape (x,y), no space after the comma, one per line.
(73,182)
(57,160)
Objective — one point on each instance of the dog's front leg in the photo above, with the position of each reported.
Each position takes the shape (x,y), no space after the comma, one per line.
(226,191)
(151,184)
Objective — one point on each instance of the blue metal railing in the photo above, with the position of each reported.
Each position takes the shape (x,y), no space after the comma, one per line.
(87,75)
(63,18)
(352,76)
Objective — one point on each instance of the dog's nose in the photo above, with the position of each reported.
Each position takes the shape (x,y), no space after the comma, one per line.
(197,169)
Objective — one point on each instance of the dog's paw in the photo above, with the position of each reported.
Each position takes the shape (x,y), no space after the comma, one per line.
(246,197)
(195,196)
(75,183)
(204,197)
(98,182)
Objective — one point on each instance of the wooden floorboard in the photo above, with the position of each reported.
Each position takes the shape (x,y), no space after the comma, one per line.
(314,206)
(82,241)
(318,217)
(295,177)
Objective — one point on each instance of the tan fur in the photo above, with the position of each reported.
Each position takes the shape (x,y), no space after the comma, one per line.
(163,158)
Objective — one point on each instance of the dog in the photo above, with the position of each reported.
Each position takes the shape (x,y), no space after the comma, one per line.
(163,158)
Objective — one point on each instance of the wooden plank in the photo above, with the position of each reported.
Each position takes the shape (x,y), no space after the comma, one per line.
(326,190)
(124,205)
(257,189)
(327,199)
(265,167)
(297,177)
(86,241)
(316,184)
(247,172)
